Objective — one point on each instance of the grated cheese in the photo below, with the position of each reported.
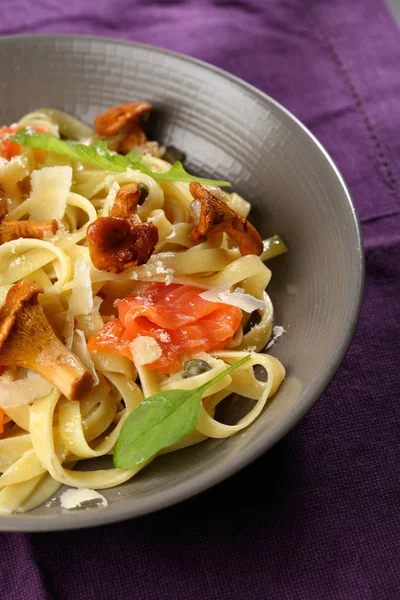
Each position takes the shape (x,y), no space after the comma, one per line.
(160,269)
(164,336)
(145,350)
(170,277)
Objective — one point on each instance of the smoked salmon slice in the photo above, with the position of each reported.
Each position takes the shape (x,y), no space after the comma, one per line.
(175,316)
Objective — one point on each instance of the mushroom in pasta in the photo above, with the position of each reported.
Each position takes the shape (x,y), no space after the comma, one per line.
(126,201)
(115,118)
(215,216)
(28,341)
(3,203)
(116,244)
(122,241)
(124,119)
(13,230)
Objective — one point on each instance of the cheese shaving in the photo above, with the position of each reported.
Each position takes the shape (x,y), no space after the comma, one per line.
(23,391)
(50,189)
(145,350)
(277,331)
(237,298)
(68,331)
(92,322)
(76,498)
(80,348)
(110,199)
(81,301)
(12,171)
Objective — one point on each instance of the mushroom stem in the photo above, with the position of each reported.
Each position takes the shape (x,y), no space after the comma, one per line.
(27,340)
(126,201)
(13,230)
(3,203)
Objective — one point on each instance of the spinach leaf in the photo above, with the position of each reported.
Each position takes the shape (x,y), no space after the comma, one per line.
(160,421)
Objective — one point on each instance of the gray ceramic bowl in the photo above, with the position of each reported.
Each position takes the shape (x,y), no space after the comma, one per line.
(228,130)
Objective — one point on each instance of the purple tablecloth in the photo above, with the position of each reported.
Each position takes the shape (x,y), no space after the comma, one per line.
(327,525)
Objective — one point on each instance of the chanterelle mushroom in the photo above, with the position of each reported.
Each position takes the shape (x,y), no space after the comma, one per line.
(3,200)
(115,118)
(123,124)
(126,201)
(122,241)
(216,216)
(117,244)
(27,340)
(13,230)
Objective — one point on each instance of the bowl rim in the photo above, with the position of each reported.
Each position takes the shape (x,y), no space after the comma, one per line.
(25,522)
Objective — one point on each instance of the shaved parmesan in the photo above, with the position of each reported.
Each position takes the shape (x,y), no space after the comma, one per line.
(68,331)
(145,350)
(109,201)
(50,189)
(277,331)
(81,301)
(79,347)
(76,498)
(92,322)
(217,193)
(23,391)
(13,170)
(237,298)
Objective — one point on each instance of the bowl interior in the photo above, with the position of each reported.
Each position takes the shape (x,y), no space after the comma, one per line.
(227,130)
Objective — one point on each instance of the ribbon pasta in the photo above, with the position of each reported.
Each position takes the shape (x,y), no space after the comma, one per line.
(51,435)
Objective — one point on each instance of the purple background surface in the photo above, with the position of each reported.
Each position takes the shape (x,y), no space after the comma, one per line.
(327,524)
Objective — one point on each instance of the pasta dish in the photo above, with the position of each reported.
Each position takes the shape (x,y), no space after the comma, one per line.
(132,303)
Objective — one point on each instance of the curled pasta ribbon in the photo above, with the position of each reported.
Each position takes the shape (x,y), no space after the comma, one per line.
(244,381)
(20,258)
(47,438)
(42,414)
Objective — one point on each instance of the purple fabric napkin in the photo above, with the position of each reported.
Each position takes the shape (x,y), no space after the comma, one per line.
(327,524)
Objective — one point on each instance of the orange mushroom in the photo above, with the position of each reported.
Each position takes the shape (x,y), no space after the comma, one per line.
(124,119)
(117,244)
(3,200)
(122,241)
(115,118)
(126,201)
(28,341)
(13,230)
(215,216)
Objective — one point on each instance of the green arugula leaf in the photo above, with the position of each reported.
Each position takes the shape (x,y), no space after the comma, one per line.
(160,421)
(98,155)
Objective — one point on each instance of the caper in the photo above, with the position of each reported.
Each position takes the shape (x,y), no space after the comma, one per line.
(144,192)
(194,367)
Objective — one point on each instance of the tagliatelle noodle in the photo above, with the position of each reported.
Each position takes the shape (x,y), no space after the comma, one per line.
(42,447)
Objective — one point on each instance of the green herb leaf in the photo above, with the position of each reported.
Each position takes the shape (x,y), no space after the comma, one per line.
(98,155)
(160,421)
